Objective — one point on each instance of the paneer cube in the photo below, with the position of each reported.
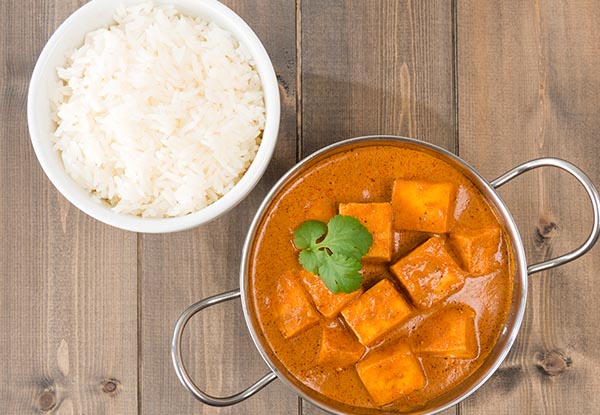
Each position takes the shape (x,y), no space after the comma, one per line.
(422,206)
(377,218)
(319,209)
(339,348)
(295,313)
(429,273)
(449,332)
(480,249)
(328,303)
(391,372)
(377,311)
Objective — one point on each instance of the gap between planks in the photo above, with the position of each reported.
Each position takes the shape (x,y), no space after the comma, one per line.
(454,10)
(139,320)
(298,80)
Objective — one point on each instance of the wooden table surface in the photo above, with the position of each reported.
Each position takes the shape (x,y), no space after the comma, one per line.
(87,311)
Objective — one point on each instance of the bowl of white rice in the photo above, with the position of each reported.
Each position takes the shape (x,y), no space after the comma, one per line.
(154,116)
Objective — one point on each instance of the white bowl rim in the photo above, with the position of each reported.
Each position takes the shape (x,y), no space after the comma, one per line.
(86,203)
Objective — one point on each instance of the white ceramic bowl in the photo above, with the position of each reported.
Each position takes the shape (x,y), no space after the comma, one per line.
(70,35)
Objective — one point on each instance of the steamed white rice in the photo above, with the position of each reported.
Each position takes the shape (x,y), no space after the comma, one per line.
(159,114)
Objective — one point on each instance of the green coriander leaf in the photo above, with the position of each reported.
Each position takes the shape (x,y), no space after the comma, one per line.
(350,283)
(308,233)
(347,236)
(309,260)
(343,271)
(329,279)
(336,259)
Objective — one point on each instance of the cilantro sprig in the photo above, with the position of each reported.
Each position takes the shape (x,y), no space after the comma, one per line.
(334,251)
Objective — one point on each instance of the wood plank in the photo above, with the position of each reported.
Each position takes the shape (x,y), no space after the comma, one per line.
(528,87)
(180,269)
(68,329)
(373,67)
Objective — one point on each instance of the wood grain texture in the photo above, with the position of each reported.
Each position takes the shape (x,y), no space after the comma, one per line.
(376,67)
(182,268)
(67,283)
(528,87)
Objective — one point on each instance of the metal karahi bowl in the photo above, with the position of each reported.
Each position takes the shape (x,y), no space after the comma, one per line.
(507,335)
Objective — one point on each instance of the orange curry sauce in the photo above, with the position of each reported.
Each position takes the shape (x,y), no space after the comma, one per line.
(366,174)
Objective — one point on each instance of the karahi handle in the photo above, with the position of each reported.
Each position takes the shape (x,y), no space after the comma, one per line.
(591,192)
(181,370)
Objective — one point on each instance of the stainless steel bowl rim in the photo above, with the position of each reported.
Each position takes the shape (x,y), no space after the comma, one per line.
(491,195)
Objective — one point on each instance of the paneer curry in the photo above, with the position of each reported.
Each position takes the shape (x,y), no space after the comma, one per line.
(436,287)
